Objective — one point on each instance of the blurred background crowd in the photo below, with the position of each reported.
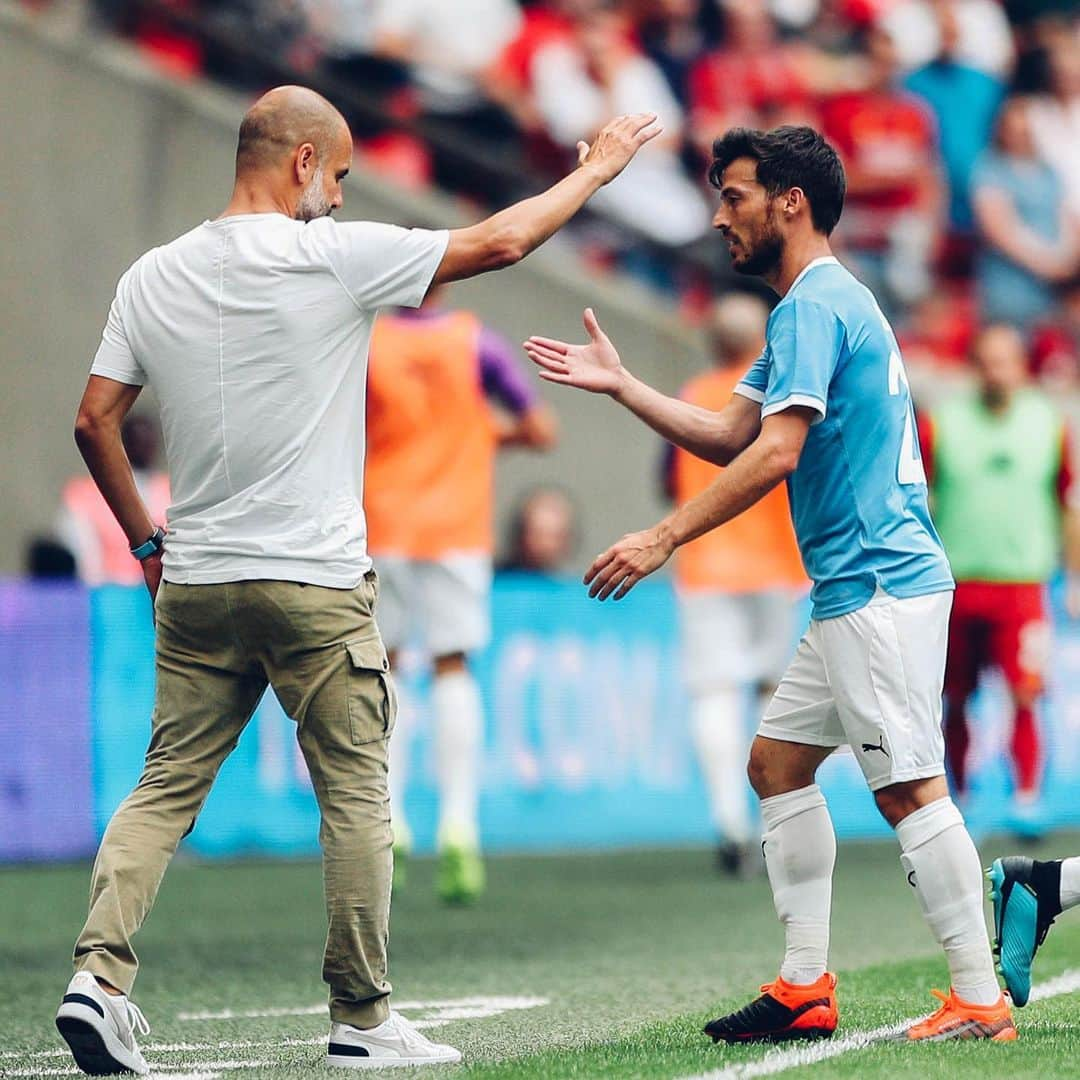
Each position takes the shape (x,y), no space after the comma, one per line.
(958,121)
(959,125)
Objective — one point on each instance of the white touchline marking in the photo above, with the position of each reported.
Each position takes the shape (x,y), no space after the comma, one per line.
(780,1060)
(492,1006)
(72,1071)
(183,1075)
(255,1014)
(8,1054)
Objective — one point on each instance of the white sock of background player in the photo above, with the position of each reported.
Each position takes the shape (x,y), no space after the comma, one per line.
(459,723)
(398,765)
(718,727)
(1070,883)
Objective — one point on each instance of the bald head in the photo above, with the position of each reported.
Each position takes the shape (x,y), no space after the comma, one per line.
(294,150)
(282,121)
(737,328)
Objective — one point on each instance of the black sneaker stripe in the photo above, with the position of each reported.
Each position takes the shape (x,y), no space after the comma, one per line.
(806,1006)
(345,1050)
(765,1016)
(82,999)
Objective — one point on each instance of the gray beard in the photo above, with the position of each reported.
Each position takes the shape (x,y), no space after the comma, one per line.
(312,202)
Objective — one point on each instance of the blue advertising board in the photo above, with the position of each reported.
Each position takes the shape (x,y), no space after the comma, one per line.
(586,742)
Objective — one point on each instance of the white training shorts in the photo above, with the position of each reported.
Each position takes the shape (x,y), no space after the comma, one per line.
(730,639)
(871,679)
(442,606)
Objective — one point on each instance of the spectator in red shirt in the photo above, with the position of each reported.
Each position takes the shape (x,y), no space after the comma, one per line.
(509,81)
(894,196)
(743,82)
(1055,347)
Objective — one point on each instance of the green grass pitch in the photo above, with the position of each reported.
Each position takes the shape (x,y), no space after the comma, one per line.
(598,965)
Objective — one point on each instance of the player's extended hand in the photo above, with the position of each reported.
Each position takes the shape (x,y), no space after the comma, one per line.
(616,143)
(595,367)
(625,563)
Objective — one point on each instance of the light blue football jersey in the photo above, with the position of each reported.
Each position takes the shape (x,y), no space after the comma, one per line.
(858,495)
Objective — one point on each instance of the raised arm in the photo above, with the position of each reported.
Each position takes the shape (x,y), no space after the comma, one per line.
(714,436)
(508,236)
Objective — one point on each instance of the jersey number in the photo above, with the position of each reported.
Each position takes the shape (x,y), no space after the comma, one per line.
(909,469)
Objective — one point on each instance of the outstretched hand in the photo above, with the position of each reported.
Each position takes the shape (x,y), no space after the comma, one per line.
(595,367)
(616,144)
(625,563)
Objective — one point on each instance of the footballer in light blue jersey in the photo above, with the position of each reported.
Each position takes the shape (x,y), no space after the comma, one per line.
(858,495)
(827,410)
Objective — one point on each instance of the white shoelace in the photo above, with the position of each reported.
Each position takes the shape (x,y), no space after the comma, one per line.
(136,1018)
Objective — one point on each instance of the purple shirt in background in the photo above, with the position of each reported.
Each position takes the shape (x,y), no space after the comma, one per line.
(502,375)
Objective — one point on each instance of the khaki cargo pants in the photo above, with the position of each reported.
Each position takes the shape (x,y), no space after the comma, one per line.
(218,647)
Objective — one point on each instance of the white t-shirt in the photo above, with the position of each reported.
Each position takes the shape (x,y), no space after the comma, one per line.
(253,333)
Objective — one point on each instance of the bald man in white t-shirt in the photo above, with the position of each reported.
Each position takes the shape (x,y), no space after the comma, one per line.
(252,330)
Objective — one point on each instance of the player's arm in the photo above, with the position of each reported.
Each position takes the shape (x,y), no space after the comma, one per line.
(534,429)
(1003,228)
(769,459)
(508,236)
(521,419)
(104,405)
(715,436)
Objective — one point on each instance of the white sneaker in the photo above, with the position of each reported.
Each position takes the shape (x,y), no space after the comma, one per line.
(394,1042)
(100,1028)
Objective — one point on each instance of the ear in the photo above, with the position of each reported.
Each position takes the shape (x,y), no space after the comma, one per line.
(306,161)
(794,199)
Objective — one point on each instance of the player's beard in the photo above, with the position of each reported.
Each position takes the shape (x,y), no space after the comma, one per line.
(765,254)
(313,203)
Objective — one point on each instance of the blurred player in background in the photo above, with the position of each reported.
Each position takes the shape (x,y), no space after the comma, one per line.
(445,393)
(85,525)
(252,330)
(997,457)
(826,408)
(737,590)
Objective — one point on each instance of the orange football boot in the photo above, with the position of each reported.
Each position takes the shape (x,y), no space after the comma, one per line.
(784,1011)
(959,1019)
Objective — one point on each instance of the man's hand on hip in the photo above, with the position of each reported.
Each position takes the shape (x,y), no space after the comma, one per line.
(151,568)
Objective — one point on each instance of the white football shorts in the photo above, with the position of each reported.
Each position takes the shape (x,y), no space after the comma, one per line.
(871,679)
(441,605)
(730,639)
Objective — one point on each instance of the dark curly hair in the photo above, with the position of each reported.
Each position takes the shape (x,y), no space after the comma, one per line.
(788,157)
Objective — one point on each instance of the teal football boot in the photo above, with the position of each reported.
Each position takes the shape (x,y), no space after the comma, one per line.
(1027,898)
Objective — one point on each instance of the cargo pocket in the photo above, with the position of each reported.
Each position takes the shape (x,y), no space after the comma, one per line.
(372,702)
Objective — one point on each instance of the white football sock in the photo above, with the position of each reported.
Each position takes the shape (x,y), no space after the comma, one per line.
(458,729)
(717,723)
(943,867)
(1070,883)
(398,764)
(800,852)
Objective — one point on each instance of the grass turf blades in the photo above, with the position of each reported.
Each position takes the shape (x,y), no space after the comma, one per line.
(634,953)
